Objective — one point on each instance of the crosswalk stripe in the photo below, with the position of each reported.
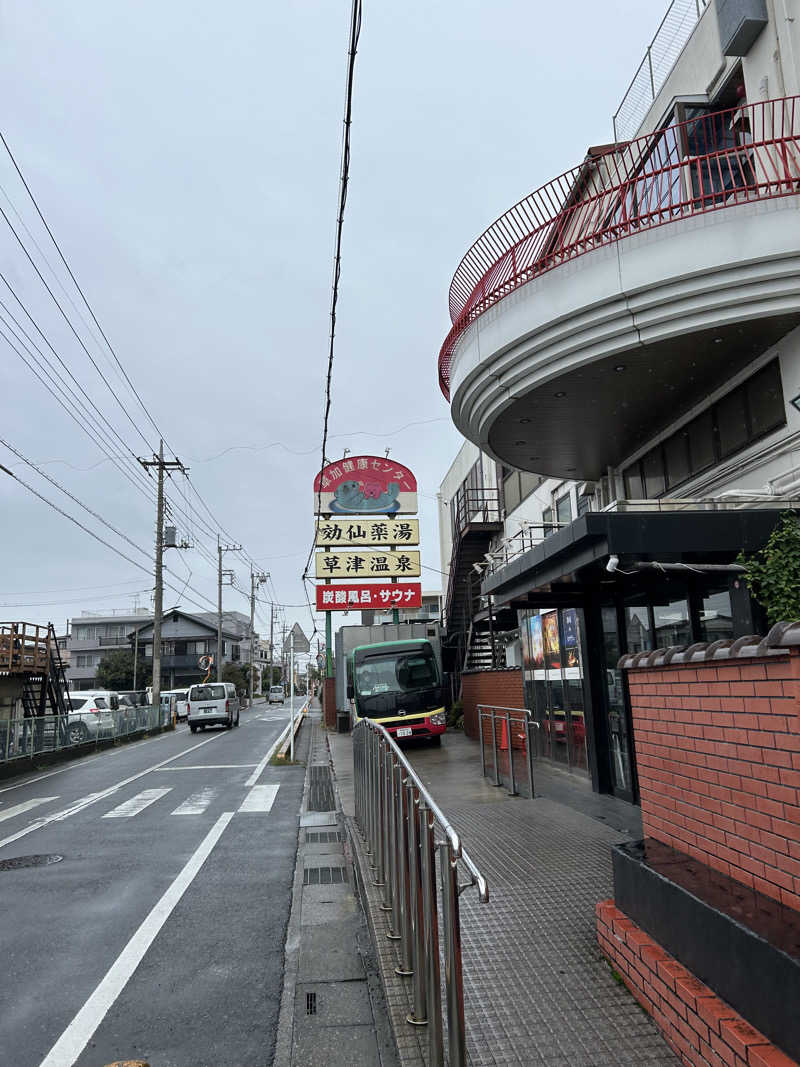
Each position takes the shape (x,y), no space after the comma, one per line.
(197,803)
(132,807)
(259,799)
(25,806)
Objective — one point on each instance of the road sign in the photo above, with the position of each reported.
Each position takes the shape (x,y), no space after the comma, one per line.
(301,643)
(341,533)
(356,564)
(360,596)
(365,485)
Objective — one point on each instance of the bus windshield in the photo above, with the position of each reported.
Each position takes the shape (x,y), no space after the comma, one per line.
(396,673)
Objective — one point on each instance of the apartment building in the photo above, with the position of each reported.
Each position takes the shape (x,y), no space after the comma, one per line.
(624,363)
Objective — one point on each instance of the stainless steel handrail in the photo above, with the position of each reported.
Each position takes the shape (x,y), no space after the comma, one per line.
(487,711)
(399,820)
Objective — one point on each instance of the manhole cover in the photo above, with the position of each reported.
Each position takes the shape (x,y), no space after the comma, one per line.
(28,861)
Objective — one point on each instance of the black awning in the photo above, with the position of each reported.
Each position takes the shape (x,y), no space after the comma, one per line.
(667,536)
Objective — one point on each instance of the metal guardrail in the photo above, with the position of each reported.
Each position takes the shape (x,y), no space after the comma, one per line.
(515,736)
(404,830)
(710,162)
(26,738)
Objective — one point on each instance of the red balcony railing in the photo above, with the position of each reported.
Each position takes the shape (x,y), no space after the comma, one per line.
(713,160)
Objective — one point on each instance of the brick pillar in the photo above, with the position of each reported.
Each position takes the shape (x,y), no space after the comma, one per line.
(329,703)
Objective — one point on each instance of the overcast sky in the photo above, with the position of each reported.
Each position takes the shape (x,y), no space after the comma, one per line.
(186,156)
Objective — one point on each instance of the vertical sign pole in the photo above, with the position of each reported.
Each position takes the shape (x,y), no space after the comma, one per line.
(291,698)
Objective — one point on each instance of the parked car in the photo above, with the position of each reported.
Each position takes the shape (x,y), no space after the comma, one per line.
(212,704)
(276,694)
(92,715)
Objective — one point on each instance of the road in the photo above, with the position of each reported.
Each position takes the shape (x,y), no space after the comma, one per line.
(160,934)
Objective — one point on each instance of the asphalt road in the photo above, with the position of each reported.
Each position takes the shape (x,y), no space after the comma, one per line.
(160,935)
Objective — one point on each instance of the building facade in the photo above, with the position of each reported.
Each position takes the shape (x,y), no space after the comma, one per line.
(625,364)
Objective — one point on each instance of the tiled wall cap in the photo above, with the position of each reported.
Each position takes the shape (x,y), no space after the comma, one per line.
(716,649)
(784,635)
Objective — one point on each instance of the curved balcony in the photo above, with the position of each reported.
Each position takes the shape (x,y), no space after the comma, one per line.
(673,258)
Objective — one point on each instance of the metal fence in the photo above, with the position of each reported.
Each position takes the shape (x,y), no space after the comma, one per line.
(28,737)
(404,833)
(507,744)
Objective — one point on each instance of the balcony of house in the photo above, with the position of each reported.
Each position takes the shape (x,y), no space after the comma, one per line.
(622,293)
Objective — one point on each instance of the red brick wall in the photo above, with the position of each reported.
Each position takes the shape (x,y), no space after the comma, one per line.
(701,1028)
(503,688)
(718,757)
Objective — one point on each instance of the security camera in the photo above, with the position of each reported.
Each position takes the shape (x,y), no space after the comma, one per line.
(613,563)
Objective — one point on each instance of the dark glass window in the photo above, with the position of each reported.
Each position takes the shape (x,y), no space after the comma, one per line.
(634,488)
(676,454)
(564,509)
(700,433)
(732,423)
(653,470)
(765,400)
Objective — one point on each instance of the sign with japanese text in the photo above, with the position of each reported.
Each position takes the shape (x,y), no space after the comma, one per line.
(365,597)
(355,564)
(365,485)
(367,532)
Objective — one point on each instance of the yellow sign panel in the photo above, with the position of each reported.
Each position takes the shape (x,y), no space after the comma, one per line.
(333,533)
(355,564)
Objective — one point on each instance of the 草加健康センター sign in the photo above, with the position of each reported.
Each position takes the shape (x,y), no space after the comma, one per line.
(364,596)
(365,485)
(398,564)
(344,532)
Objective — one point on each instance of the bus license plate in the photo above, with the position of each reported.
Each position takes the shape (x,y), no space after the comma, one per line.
(405,731)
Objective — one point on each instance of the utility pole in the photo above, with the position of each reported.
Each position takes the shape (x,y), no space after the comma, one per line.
(220,550)
(161,465)
(255,582)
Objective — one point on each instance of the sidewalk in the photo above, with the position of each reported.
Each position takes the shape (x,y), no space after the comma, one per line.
(536,989)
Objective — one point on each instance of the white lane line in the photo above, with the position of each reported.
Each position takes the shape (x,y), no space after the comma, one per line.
(93,798)
(128,808)
(260,798)
(212,767)
(18,809)
(79,1032)
(197,803)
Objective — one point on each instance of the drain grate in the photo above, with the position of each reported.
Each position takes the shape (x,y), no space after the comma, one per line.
(311,1003)
(320,791)
(322,837)
(324,875)
(29,861)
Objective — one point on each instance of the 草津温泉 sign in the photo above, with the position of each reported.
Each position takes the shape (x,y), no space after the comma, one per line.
(356,564)
(363,596)
(345,532)
(365,485)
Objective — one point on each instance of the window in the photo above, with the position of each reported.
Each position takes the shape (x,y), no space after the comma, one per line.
(564,509)
(653,474)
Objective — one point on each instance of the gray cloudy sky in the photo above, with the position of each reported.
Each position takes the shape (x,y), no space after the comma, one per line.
(186,155)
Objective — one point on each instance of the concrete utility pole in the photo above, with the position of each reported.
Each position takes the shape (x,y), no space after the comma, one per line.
(161,465)
(220,550)
(255,582)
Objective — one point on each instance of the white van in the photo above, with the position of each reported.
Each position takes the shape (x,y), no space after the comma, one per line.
(212,704)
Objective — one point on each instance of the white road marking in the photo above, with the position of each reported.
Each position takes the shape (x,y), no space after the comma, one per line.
(275,745)
(212,767)
(128,808)
(93,798)
(26,805)
(260,798)
(77,1035)
(197,803)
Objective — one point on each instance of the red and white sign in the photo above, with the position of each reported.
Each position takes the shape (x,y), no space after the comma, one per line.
(365,485)
(360,596)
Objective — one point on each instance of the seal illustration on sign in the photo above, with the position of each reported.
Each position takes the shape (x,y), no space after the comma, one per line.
(357,498)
